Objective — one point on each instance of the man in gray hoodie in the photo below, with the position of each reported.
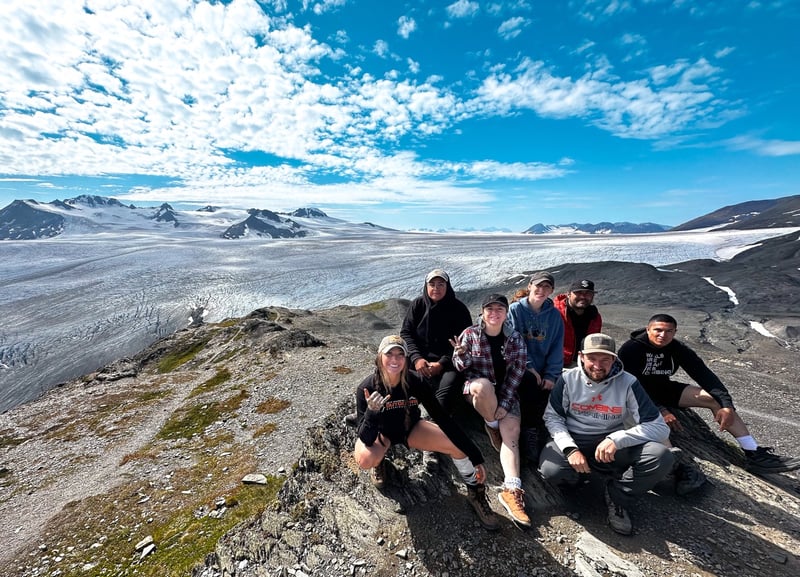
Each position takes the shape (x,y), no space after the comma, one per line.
(600,419)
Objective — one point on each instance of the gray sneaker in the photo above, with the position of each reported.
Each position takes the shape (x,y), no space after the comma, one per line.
(618,517)
(688,478)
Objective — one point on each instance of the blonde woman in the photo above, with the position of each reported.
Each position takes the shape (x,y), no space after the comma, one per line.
(388,408)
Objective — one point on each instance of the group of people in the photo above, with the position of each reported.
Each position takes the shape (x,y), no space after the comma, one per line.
(551,388)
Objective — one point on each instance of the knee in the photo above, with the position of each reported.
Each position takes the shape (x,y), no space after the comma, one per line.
(481,388)
(365,458)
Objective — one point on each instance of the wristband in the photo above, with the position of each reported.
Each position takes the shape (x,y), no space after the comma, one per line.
(569,450)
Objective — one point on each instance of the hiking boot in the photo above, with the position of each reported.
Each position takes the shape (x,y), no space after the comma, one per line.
(378,475)
(764,460)
(495,438)
(618,517)
(351,419)
(514,502)
(688,477)
(476,495)
(530,445)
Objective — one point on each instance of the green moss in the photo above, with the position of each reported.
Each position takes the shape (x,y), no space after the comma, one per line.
(374,307)
(152,395)
(222,376)
(193,420)
(182,539)
(225,323)
(229,354)
(182,355)
(8,440)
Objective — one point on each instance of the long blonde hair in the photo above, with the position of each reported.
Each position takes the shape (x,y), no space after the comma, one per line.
(380,379)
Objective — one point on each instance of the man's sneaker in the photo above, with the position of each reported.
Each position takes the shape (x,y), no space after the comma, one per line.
(688,478)
(514,502)
(351,419)
(764,460)
(618,517)
(476,495)
(530,445)
(495,438)
(378,474)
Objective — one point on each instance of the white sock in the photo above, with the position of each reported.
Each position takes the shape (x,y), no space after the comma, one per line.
(466,470)
(493,424)
(748,443)
(512,483)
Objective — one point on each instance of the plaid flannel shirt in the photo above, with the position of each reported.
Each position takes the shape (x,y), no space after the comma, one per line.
(476,361)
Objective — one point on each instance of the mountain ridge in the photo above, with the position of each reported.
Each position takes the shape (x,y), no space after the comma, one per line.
(30,220)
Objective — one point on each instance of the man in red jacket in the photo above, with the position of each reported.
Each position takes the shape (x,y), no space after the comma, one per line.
(580,317)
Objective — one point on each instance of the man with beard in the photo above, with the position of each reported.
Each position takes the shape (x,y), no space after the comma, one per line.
(601,420)
(580,317)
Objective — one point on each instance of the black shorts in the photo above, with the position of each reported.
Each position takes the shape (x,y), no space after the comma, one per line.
(668,395)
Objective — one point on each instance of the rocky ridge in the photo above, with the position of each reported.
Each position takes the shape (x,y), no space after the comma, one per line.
(156,447)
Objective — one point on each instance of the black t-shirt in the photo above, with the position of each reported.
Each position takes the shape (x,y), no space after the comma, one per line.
(580,326)
(497,344)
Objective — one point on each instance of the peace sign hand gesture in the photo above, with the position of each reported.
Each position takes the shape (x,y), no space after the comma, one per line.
(376,401)
(458,348)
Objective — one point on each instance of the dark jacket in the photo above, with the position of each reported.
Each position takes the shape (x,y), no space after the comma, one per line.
(401,413)
(429,326)
(571,344)
(654,366)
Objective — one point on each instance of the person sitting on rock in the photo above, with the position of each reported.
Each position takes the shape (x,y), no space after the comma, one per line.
(492,356)
(432,319)
(600,419)
(580,317)
(539,322)
(388,410)
(653,355)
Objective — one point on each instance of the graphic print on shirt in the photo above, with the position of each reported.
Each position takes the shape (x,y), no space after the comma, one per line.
(652,365)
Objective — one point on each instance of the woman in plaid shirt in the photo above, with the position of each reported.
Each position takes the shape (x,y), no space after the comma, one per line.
(493,356)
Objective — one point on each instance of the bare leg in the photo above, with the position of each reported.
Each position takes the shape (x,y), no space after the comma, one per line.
(694,396)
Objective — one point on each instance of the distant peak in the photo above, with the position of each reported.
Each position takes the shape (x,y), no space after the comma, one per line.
(308,213)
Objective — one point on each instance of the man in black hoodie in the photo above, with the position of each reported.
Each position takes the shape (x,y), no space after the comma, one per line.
(435,317)
(653,355)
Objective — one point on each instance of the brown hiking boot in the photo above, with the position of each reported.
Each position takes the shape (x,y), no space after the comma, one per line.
(476,495)
(378,474)
(514,502)
(495,438)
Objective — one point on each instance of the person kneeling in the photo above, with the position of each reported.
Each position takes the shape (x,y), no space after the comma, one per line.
(600,419)
(388,413)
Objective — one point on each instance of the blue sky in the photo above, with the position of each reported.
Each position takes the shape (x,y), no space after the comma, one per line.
(416,114)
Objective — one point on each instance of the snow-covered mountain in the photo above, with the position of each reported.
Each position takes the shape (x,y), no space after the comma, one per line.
(773,213)
(29,219)
(599,228)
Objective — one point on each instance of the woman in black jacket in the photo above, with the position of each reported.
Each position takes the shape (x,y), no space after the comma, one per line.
(389,413)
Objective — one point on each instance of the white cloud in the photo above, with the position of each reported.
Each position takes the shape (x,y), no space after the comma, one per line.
(723,52)
(512,27)
(764,147)
(463,9)
(405,26)
(381,48)
(676,100)
(322,6)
